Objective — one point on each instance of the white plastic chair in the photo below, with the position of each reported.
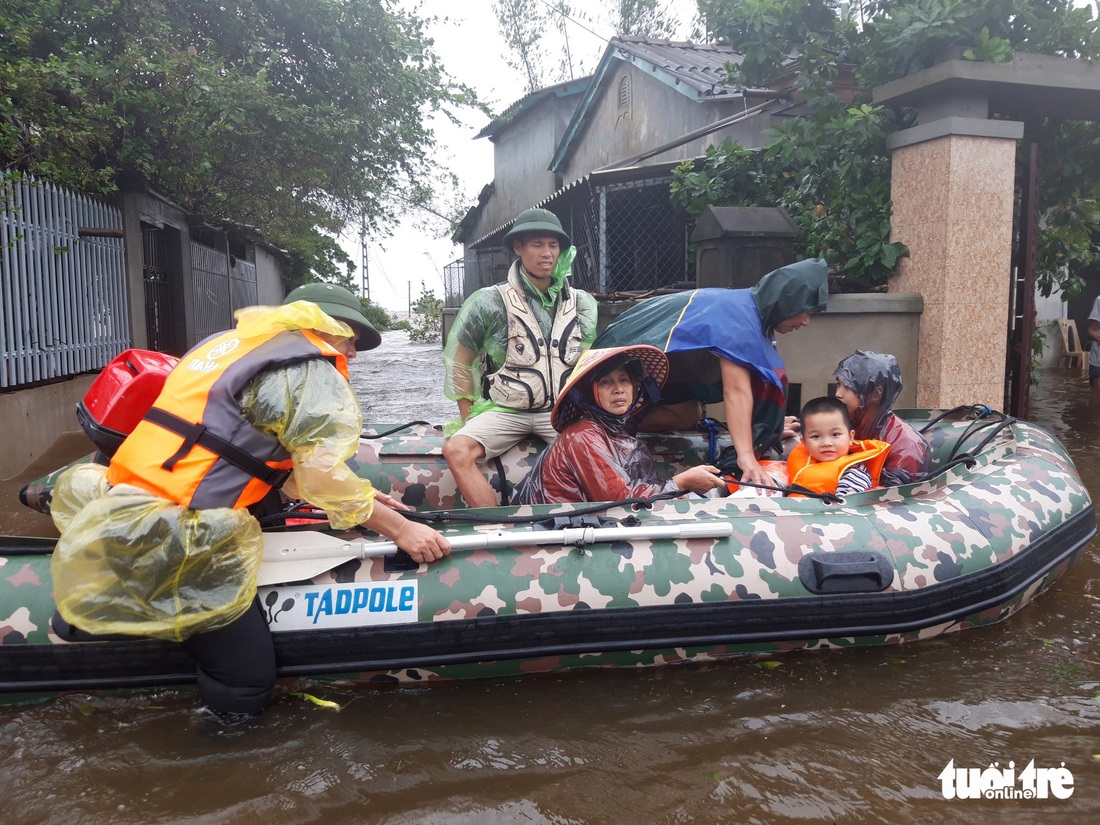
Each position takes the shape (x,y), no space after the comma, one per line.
(1071,345)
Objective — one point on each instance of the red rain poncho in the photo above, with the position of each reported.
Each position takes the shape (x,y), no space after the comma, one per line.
(591,462)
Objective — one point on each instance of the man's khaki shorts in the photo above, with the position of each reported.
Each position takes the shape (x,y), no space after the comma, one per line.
(499,431)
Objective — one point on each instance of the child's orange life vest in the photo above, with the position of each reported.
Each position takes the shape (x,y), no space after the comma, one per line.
(823,476)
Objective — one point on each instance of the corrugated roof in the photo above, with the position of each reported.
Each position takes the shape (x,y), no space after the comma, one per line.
(530,101)
(700,65)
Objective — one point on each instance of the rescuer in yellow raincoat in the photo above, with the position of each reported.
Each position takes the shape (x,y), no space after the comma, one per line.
(161,543)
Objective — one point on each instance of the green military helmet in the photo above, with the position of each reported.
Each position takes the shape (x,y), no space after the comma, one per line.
(538,221)
(341,304)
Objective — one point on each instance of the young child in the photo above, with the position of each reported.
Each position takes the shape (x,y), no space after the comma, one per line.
(830,459)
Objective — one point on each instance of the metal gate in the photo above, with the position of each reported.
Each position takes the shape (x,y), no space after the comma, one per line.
(221,285)
(160,327)
(63,296)
(1021,316)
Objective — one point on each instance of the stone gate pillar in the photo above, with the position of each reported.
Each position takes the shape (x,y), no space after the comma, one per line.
(953,177)
(952,189)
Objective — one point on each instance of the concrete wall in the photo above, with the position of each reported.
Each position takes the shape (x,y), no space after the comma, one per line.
(1047,310)
(138,209)
(879,322)
(269,283)
(521,157)
(35,418)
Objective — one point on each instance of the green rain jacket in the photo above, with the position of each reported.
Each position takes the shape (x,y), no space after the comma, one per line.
(481,328)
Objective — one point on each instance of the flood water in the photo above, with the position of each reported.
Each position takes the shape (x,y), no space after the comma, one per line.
(852,736)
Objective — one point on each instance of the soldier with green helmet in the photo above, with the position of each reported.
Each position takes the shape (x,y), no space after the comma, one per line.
(511,348)
(165,543)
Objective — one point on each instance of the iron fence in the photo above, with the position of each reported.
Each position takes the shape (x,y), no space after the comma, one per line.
(220,287)
(629,235)
(454,283)
(63,291)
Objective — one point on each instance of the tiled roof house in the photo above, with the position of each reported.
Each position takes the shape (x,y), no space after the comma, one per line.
(599,153)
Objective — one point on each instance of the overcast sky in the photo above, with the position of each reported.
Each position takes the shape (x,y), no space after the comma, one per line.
(471,48)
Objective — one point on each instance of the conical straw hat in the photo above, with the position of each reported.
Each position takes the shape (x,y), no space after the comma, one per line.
(565,409)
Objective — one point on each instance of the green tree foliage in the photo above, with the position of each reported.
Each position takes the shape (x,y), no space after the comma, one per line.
(524,24)
(642,18)
(378,317)
(1070,201)
(426,325)
(537,32)
(830,169)
(293,116)
(766,32)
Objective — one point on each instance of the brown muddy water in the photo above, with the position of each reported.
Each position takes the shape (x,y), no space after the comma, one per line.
(852,736)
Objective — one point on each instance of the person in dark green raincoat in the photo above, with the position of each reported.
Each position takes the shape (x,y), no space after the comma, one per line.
(738,327)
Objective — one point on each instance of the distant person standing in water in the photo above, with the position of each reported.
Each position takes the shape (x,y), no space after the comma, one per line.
(1093,331)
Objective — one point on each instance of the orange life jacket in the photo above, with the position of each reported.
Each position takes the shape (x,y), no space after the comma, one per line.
(194,447)
(823,476)
(777,469)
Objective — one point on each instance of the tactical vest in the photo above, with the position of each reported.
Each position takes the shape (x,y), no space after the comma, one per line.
(193,446)
(823,476)
(534,369)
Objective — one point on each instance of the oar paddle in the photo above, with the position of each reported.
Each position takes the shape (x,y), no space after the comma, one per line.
(292,557)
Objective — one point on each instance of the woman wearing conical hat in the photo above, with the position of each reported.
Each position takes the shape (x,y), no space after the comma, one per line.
(596,456)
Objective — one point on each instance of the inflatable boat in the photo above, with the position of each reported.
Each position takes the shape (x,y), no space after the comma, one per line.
(532,589)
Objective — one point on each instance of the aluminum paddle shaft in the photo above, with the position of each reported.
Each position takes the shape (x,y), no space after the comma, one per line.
(295,556)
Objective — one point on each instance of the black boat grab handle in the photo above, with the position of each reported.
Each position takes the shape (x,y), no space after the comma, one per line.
(845,572)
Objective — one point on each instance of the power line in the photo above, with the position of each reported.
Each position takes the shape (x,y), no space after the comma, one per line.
(575,22)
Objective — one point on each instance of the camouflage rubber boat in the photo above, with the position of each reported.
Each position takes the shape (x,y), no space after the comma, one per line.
(1002,519)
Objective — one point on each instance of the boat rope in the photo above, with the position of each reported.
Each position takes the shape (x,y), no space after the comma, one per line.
(306,512)
(981,424)
(369,436)
(798,489)
(985,417)
(969,458)
(977,410)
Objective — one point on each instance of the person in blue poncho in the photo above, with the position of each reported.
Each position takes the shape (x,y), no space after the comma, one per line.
(737,327)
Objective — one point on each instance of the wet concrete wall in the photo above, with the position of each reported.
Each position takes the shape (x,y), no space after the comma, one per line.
(33,419)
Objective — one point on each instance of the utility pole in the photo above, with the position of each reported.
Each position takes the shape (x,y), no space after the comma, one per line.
(363,247)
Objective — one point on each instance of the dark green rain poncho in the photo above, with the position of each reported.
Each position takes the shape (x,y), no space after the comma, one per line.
(737,324)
